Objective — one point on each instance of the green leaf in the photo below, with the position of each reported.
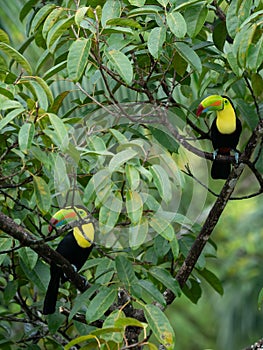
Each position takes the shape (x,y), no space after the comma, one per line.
(255,55)
(10,291)
(121,64)
(232,60)
(219,35)
(79,340)
(164,3)
(176,23)
(189,56)
(160,325)
(101,303)
(260,299)
(146,10)
(78,58)
(212,279)
(138,3)
(25,136)
(4,38)
(54,70)
(156,40)
(35,275)
(120,158)
(125,271)
(58,29)
(164,139)
(111,9)
(80,14)
(192,290)
(162,182)
(41,15)
(195,17)
(62,139)
(166,279)
(123,22)
(134,206)
(5,244)
(133,176)
(51,19)
(138,233)
(110,212)
(61,179)
(42,193)
(150,289)
(82,299)
(29,257)
(20,59)
(10,116)
(162,227)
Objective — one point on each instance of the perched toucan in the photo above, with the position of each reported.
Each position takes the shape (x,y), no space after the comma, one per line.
(75,247)
(225,131)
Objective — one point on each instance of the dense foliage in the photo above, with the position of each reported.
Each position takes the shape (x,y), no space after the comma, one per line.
(101,113)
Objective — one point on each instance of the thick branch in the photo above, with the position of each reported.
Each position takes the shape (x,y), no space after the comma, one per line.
(215,213)
(8,226)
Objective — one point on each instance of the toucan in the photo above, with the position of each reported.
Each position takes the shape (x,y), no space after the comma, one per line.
(225,131)
(75,247)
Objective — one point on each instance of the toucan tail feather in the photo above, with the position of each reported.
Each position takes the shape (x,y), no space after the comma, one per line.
(220,170)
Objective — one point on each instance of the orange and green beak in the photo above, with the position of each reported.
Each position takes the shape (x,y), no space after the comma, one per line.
(210,103)
(65,216)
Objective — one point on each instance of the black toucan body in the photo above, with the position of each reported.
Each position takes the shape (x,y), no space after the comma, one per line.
(75,247)
(225,131)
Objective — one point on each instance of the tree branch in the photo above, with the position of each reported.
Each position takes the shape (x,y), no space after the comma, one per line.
(8,226)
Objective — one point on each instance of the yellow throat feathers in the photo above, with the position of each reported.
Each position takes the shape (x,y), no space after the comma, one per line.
(226,120)
(84,235)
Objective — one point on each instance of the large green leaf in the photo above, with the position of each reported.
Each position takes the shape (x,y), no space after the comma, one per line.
(121,65)
(62,139)
(121,158)
(58,29)
(138,233)
(111,9)
(166,279)
(41,15)
(25,136)
(51,19)
(162,182)
(110,212)
(10,116)
(160,326)
(189,55)
(13,53)
(101,303)
(212,279)
(78,58)
(42,193)
(162,227)
(125,271)
(134,206)
(195,17)
(156,40)
(176,23)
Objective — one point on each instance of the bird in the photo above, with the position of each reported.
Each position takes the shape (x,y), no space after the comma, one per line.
(76,247)
(225,131)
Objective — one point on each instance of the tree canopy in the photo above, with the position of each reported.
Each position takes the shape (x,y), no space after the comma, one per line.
(98,102)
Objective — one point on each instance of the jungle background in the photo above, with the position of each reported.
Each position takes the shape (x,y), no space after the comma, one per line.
(214,47)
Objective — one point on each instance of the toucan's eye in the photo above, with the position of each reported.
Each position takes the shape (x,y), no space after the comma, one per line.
(226,102)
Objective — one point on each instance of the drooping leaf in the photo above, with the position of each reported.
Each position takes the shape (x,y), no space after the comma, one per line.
(58,29)
(162,227)
(78,58)
(160,326)
(192,290)
(150,289)
(80,14)
(133,176)
(51,19)
(123,22)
